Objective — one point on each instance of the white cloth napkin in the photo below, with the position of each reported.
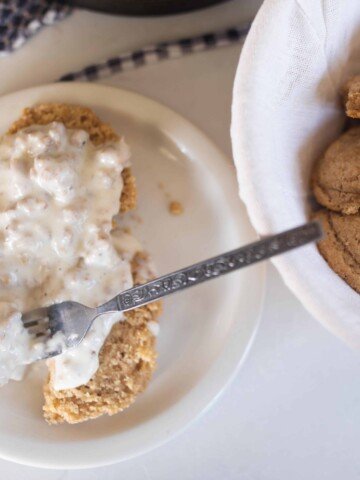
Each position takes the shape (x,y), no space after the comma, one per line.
(286,110)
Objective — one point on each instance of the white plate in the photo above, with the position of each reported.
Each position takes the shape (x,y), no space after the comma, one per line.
(205,331)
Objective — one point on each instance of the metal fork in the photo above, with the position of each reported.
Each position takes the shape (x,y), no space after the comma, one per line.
(68,322)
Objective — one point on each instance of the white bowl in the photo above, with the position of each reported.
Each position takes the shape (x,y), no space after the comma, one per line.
(286,110)
(205,331)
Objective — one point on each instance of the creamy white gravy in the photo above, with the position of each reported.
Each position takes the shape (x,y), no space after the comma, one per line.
(58,196)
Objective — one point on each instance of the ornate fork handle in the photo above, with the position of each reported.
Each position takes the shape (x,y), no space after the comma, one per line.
(214,267)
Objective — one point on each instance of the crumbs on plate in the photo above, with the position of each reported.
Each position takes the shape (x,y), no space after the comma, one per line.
(174,206)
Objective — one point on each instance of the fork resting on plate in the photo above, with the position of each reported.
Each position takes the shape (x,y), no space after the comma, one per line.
(70,321)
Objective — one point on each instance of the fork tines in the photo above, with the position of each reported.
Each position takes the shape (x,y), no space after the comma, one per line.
(37,322)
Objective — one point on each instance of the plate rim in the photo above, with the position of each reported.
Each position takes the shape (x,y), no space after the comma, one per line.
(212,393)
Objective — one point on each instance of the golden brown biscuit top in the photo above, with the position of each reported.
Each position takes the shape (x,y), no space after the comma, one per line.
(336,176)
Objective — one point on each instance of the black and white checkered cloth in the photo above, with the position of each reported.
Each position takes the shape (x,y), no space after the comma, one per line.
(21,19)
(156,53)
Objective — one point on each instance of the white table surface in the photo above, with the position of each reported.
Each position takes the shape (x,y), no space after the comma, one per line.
(294,409)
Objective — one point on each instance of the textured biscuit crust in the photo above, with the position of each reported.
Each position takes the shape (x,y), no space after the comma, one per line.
(336,176)
(76,116)
(126,363)
(352,97)
(336,185)
(127,359)
(341,245)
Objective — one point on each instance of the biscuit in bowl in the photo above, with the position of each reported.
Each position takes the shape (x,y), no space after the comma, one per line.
(336,176)
(341,245)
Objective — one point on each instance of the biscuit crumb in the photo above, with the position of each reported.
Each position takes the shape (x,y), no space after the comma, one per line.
(352,97)
(136,218)
(163,189)
(176,208)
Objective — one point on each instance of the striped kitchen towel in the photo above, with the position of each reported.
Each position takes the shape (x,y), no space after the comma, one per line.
(160,51)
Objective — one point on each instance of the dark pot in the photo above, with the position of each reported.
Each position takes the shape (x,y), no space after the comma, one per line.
(144,7)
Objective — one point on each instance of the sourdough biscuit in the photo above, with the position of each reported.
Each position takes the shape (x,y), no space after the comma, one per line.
(128,356)
(336,177)
(78,117)
(127,361)
(341,245)
(352,97)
